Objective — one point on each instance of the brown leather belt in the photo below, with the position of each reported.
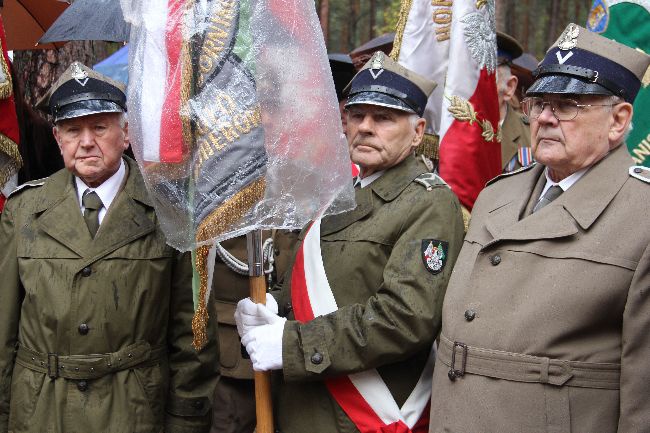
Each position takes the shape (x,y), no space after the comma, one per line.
(94,366)
(462,359)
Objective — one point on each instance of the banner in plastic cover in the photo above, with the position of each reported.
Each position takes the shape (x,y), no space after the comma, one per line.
(233,116)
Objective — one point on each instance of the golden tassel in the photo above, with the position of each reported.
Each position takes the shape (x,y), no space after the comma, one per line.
(404,10)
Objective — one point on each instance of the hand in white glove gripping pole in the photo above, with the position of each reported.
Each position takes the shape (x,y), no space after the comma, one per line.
(261,331)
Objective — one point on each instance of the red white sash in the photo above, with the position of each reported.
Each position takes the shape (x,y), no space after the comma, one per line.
(364,396)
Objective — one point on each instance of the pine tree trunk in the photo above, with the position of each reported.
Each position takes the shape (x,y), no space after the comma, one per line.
(36,70)
(372,12)
(501,13)
(324,16)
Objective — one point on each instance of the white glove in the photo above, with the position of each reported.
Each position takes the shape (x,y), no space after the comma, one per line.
(248,316)
(264,343)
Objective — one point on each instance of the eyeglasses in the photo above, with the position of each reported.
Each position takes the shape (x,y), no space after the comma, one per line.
(563,109)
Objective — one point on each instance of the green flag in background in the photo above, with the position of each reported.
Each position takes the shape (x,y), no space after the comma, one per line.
(628,22)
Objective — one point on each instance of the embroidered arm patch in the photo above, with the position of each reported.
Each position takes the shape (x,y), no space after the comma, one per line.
(434,255)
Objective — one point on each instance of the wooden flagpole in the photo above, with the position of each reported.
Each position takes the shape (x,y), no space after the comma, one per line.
(263,404)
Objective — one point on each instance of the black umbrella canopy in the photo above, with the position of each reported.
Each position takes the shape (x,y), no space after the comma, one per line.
(93,20)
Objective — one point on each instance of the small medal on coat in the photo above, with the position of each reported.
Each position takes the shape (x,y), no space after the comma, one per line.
(434,255)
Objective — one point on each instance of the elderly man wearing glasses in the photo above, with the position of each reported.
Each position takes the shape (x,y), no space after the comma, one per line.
(546,321)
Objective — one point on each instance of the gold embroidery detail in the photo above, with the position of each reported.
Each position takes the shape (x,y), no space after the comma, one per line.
(12,166)
(480,3)
(461,109)
(404,10)
(6,88)
(201,315)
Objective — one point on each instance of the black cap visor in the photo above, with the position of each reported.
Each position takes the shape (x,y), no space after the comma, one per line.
(86,108)
(380,99)
(565,84)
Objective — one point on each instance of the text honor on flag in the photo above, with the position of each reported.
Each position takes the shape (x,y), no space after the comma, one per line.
(434,254)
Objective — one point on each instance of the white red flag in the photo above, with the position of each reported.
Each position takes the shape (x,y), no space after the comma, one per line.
(454,44)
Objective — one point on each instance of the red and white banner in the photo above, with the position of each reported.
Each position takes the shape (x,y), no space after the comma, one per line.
(454,44)
(162,130)
(364,396)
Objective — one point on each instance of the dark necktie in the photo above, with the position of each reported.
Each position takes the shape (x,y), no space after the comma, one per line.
(92,204)
(551,194)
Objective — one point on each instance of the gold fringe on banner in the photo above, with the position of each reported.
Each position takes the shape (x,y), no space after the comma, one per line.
(212,226)
(6,86)
(429,147)
(10,148)
(404,10)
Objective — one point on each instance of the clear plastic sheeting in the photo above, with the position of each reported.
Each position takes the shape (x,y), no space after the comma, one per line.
(233,116)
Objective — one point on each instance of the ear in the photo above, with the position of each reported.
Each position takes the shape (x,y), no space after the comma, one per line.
(620,122)
(511,87)
(55,131)
(127,141)
(419,132)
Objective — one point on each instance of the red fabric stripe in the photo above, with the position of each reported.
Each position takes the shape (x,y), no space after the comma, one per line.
(2,201)
(171,127)
(467,161)
(299,296)
(354,405)
(8,118)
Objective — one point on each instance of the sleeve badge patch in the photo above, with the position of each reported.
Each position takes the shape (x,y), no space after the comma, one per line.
(434,255)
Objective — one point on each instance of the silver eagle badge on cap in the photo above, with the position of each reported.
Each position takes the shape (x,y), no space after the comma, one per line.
(377,65)
(569,38)
(79,75)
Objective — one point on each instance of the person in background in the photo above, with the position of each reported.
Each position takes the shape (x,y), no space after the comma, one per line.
(96,307)
(546,321)
(515,131)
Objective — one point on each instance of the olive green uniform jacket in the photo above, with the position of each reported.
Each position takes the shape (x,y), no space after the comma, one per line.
(125,293)
(559,300)
(515,133)
(389,303)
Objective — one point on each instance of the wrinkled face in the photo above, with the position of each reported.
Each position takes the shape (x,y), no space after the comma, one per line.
(92,145)
(380,137)
(568,146)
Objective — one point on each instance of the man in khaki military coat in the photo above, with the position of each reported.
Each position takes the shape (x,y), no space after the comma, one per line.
(363,297)
(95,307)
(546,322)
(515,133)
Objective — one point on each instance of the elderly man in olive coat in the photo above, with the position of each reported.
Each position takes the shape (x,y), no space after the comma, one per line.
(95,307)
(546,322)
(362,300)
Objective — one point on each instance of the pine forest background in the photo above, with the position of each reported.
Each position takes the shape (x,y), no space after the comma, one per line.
(346,25)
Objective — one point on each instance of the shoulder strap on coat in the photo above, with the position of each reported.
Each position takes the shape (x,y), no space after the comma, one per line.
(640,172)
(27,185)
(512,173)
(430,181)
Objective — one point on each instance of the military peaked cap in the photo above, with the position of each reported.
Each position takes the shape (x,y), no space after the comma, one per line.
(508,48)
(80,91)
(583,62)
(384,82)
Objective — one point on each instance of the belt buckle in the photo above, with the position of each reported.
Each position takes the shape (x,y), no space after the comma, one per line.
(53,365)
(453,373)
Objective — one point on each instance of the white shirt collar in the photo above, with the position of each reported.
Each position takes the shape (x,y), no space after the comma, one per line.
(364,182)
(107,191)
(565,183)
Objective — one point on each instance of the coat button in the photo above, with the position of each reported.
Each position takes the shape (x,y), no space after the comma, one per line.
(288,307)
(470,315)
(84,328)
(198,404)
(316,358)
(495,259)
(638,170)
(85,272)
(82,385)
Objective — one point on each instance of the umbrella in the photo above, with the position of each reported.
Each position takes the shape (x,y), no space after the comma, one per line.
(116,66)
(92,20)
(26,21)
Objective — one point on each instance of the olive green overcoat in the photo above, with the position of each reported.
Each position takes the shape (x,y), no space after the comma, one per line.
(124,297)
(389,303)
(554,308)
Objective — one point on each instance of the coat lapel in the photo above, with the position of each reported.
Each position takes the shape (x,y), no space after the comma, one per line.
(127,218)
(61,214)
(387,187)
(578,207)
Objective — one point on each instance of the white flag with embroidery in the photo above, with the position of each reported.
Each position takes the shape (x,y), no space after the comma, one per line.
(422,45)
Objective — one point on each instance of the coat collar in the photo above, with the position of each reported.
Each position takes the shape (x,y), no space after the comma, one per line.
(126,219)
(387,187)
(580,206)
